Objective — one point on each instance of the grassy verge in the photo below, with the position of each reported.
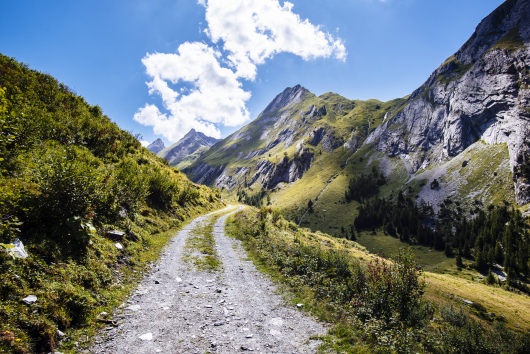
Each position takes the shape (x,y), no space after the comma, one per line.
(199,250)
(375,305)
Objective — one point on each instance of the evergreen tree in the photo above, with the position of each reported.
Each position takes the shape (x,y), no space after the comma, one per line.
(459,262)
(480,260)
(439,243)
(448,250)
(491,257)
(399,230)
(391,229)
(511,277)
(353,237)
(406,234)
(420,237)
(499,254)
(522,259)
(467,251)
(490,278)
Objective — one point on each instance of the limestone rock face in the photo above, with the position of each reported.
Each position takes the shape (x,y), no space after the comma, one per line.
(156,146)
(480,93)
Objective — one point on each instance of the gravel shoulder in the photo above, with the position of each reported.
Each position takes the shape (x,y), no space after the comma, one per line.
(177,309)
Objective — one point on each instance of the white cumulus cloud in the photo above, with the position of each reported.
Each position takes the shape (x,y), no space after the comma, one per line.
(248,31)
(144,143)
(254,30)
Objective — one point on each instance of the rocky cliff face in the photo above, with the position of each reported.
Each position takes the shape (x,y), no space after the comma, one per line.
(481,93)
(186,146)
(156,146)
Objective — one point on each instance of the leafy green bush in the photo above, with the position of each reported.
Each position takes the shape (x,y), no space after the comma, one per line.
(132,184)
(188,194)
(162,189)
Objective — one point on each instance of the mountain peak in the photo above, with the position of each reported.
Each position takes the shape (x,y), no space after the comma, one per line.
(156,146)
(187,145)
(510,18)
(290,96)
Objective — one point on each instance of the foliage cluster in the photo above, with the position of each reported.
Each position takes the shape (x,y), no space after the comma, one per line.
(67,176)
(255,199)
(401,218)
(365,186)
(499,236)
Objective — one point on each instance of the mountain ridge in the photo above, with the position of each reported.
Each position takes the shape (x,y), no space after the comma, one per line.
(156,146)
(188,149)
(471,107)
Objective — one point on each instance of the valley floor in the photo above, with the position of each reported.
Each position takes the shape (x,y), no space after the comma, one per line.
(186,307)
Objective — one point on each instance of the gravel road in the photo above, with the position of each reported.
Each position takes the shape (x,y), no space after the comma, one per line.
(177,309)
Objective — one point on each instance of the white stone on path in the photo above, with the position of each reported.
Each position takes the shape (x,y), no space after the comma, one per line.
(147,336)
(276,321)
(133,308)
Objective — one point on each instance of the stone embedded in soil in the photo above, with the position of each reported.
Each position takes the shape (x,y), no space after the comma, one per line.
(147,336)
(133,308)
(30,299)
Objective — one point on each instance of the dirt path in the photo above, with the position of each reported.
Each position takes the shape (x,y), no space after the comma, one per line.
(177,309)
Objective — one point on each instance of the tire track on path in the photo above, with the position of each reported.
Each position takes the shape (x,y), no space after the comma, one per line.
(179,310)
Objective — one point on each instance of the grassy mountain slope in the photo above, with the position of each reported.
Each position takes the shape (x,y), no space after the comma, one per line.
(69,178)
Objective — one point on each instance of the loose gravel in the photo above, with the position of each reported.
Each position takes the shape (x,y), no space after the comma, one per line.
(177,309)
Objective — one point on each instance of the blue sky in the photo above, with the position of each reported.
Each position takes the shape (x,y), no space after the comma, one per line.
(214,65)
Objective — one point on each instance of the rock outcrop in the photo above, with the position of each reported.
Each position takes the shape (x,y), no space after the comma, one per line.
(481,93)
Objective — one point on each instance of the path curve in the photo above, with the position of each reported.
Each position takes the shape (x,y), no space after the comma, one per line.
(236,309)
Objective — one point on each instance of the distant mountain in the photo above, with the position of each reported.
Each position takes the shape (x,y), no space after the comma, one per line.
(188,149)
(458,141)
(156,146)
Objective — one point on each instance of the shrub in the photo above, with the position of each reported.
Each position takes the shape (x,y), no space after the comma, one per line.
(162,189)
(70,185)
(132,184)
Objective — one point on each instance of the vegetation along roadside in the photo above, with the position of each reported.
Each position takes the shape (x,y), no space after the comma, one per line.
(375,304)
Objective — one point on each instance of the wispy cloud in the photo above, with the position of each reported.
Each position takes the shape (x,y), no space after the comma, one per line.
(249,32)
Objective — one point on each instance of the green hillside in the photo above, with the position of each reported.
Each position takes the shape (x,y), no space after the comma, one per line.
(69,179)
